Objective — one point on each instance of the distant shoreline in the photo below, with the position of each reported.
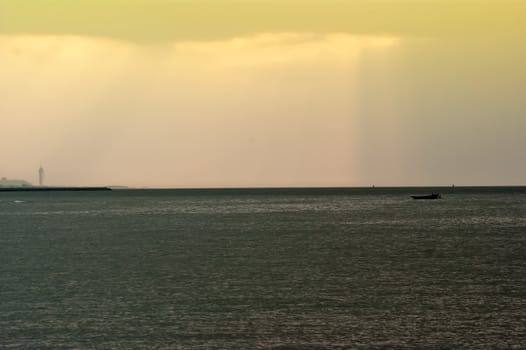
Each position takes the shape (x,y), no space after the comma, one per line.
(276,190)
(53,189)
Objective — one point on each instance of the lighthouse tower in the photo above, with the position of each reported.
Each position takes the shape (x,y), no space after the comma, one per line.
(41,176)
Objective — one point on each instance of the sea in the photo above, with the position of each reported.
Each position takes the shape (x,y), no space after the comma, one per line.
(281,269)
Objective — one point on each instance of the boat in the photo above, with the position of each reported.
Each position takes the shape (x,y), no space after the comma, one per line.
(429,196)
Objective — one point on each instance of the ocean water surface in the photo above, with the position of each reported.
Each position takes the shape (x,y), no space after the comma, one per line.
(263,269)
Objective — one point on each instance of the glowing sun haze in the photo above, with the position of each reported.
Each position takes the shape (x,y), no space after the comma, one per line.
(210,93)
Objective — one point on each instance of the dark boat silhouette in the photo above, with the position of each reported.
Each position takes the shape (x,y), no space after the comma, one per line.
(429,196)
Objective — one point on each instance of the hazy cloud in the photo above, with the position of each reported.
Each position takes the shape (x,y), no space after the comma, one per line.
(263,93)
(168,20)
(271,109)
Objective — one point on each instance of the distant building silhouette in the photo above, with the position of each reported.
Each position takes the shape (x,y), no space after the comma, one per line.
(41,176)
(5,182)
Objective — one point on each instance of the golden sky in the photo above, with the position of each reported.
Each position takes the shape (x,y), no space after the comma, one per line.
(207,93)
(154,20)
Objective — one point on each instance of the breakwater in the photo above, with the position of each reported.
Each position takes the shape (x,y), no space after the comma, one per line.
(50,189)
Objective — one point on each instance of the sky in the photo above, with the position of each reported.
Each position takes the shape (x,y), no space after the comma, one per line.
(263,93)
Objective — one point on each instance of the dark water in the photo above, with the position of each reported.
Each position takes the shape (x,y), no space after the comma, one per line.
(336,269)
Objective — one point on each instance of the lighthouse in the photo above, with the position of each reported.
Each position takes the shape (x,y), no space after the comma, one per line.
(41,176)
